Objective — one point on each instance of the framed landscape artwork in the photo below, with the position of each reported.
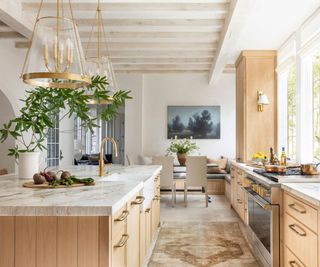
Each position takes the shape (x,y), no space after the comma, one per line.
(198,122)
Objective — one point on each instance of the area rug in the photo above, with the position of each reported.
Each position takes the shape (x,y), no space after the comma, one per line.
(201,244)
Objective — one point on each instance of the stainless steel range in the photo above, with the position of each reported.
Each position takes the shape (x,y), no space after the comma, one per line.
(264,219)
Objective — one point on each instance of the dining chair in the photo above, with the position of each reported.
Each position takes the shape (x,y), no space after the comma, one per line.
(129,160)
(166,175)
(196,175)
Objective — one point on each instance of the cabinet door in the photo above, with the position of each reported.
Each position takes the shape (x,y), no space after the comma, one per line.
(133,230)
(153,217)
(142,239)
(148,228)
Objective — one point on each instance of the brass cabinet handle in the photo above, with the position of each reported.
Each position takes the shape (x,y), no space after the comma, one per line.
(294,228)
(123,216)
(156,179)
(295,207)
(139,200)
(294,264)
(148,210)
(156,198)
(239,201)
(122,241)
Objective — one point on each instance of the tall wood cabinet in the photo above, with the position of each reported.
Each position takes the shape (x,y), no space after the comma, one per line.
(256,131)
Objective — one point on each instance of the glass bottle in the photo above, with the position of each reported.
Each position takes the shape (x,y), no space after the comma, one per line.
(283,159)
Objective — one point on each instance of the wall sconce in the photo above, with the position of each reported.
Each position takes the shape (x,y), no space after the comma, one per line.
(262,100)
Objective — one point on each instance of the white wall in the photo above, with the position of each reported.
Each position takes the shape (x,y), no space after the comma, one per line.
(146,114)
(133,114)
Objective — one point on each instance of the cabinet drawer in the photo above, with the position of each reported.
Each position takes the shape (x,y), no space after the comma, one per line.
(290,260)
(119,221)
(301,241)
(301,211)
(120,250)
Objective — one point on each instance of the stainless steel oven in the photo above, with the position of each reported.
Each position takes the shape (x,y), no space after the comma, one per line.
(264,223)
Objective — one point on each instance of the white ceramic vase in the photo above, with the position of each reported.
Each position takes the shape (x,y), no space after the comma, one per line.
(29,164)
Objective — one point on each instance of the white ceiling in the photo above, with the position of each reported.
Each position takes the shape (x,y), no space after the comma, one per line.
(270,22)
(175,35)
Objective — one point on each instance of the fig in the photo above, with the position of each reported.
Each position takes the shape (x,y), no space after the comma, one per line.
(65,175)
(39,179)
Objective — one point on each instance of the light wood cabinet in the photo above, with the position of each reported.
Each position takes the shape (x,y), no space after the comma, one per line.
(300,232)
(255,71)
(133,230)
(238,195)
(227,190)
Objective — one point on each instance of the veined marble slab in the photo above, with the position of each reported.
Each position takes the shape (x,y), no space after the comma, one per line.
(104,199)
(307,191)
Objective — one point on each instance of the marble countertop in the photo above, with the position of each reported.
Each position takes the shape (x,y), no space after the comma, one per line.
(109,194)
(307,191)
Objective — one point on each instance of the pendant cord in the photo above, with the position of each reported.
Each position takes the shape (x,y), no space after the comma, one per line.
(81,56)
(31,40)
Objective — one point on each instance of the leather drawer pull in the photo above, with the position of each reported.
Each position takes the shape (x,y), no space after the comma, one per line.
(239,201)
(294,227)
(123,241)
(295,208)
(123,216)
(139,200)
(148,210)
(294,264)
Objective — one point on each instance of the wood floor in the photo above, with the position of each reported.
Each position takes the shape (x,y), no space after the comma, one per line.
(219,210)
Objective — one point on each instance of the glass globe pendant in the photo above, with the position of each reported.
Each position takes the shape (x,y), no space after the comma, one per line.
(100,63)
(55,58)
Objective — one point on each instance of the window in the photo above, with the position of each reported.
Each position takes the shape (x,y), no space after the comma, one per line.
(292,112)
(316,105)
(53,143)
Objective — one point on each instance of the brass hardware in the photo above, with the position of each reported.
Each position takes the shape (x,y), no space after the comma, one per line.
(156,198)
(294,264)
(156,179)
(101,160)
(293,228)
(294,207)
(239,201)
(139,200)
(148,210)
(122,241)
(123,216)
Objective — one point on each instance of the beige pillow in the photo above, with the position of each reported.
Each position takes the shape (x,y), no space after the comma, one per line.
(213,170)
(222,163)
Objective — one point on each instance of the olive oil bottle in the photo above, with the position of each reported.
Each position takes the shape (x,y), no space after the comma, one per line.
(283,159)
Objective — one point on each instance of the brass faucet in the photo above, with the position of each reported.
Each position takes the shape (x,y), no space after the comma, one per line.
(101,160)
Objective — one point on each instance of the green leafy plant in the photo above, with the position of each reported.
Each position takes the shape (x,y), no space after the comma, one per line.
(42,104)
(182,146)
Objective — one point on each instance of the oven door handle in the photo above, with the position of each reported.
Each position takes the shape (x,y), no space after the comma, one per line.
(262,203)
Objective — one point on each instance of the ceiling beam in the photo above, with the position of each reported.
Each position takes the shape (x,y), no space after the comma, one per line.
(157,71)
(130,46)
(11,35)
(11,14)
(111,7)
(235,22)
(153,22)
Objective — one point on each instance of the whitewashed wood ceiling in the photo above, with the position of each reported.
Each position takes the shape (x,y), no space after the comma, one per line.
(149,36)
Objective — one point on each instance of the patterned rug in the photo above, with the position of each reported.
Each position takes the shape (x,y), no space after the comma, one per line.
(198,244)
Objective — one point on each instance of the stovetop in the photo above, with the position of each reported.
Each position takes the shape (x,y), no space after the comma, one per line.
(277,177)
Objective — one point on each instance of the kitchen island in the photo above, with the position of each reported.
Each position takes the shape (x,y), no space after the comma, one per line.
(96,226)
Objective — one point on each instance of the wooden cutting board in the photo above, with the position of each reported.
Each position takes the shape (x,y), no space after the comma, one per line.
(31,184)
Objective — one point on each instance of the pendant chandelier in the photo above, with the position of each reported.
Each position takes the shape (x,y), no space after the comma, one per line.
(100,63)
(55,57)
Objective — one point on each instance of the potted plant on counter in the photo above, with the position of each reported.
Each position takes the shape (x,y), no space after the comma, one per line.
(182,147)
(41,108)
